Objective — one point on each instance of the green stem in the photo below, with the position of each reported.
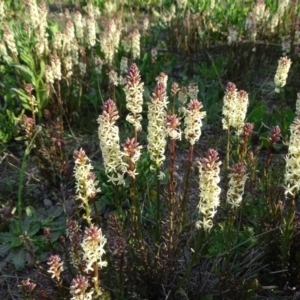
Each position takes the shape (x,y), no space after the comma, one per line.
(157,233)
(21,180)
(227,157)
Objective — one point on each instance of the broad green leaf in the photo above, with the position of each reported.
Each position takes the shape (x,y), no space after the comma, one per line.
(18,258)
(27,74)
(6,237)
(28,59)
(25,100)
(4,249)
(258,114)
(33,228)
(16,242)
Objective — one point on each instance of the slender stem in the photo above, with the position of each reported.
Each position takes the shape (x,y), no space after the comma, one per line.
(287,232)
(171,192)
(227,158)
(157,234)
(21,180)
(96,277)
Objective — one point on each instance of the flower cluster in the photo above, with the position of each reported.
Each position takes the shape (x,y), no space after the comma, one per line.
(292,175)
(56,266)
(9,39)
(108,134)
(283,68)
(91,31)
(134,97)
(135,44)
(132,151)
(162,78)
(172,130)
(85,179)
(93,248)
(193,90)
(78,289)
(156,125)
(56,67)
(193,121)
(79,25)
(234,108)
(236,184)
(209,169)
(110,39)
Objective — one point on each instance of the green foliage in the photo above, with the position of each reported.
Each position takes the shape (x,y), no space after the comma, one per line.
(24,248)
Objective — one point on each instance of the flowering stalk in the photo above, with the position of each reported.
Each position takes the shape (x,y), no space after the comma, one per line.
(108,133)
(234,112)
(209,168)
(174,90)
(55,268)
(134,98)
(78,289)
(193,123)
(237,180)
(273,139)
(85,184)
(93,249)
(31,133)
(157,138)
(247,130)
(174,133)
(292,180)
(132,152)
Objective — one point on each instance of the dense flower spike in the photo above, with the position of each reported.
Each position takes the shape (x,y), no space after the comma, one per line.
(56,266)
(193,90)
(209,169)
(9,39)
(275,135)
(283,68)
(93,248)
(193,121)
(172,124)
(156,125)
(135,44)
(236,185)
(134,97)
(108,134)
(234,108)
(292,175)
(132,151)
(85,179)
(78,289)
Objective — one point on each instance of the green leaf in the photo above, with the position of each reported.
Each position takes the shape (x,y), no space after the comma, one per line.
(4,249)
(30,212)
(6,237)
(16,242)
(33,228)
(28,59)
(18,258)
(258,114)
(182,292)
(25,100)
(26,74)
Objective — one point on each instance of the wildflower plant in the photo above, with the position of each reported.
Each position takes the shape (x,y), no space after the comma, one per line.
(209,179)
